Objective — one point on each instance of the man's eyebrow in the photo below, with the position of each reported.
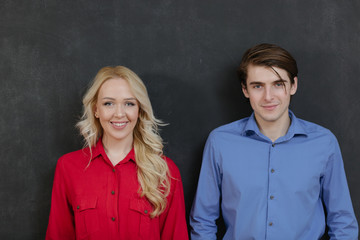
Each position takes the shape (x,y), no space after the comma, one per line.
(276,81)
(281,80)
(255,83)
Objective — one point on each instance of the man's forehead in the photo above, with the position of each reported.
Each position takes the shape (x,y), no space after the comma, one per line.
(266,74)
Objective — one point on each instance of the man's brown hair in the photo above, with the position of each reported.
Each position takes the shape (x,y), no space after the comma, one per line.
(267,55)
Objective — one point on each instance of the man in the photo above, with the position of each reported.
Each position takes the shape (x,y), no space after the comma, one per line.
(273,175)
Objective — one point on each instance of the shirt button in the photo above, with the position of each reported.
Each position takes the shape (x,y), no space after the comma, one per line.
(113,169)
(112,192)
(113,219)
(146,211)
(270,224)
(271,197)
(78,207)
(273,145)
(272,170)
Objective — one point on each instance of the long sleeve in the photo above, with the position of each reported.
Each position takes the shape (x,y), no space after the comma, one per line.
(61,220)
(173,220)
(101,201)
(205,209)
(341,219)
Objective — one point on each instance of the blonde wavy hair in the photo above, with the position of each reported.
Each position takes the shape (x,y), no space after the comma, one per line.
(152,169)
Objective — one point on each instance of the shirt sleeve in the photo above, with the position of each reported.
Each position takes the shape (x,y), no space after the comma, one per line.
(61,220)
(205,209)
(173,221)
(341,219)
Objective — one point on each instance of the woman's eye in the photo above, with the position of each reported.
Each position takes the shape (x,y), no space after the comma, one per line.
(129,104)
(108,104)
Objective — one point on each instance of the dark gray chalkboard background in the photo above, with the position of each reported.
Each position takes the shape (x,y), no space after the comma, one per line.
(186,52)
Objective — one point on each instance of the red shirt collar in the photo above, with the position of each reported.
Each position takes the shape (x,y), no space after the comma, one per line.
(98,149)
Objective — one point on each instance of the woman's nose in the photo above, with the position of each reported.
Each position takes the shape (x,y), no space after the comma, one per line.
(120,111)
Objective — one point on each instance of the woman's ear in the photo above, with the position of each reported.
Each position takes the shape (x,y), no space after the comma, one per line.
(96,114)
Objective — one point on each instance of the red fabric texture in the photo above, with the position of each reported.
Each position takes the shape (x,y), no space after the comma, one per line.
(103,202)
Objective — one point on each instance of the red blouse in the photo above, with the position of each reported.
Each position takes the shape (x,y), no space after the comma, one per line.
(102,201)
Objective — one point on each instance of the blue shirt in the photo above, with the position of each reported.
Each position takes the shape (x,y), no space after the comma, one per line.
(272,190)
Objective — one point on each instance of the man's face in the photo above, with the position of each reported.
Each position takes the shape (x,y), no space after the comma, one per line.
(268,94)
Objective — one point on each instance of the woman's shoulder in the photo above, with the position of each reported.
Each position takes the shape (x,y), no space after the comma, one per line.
(77,154)
(81,156)
(174,170)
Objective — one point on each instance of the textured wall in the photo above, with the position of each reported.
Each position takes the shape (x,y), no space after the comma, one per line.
(186,52)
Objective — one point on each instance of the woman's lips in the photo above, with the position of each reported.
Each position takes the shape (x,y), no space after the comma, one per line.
(119,125)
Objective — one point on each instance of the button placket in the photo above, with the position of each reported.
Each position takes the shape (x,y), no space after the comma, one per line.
(271,187)
(112,186)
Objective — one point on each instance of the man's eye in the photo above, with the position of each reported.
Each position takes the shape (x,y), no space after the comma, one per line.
(280,84)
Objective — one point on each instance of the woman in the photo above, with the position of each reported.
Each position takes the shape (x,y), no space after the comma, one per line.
(120,186)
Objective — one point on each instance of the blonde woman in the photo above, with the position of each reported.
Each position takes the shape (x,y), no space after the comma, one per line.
(120,185)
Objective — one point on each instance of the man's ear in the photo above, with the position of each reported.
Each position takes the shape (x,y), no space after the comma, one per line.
(244,90)
(293,87)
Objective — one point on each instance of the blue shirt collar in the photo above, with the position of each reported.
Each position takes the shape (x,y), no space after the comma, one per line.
(295,128)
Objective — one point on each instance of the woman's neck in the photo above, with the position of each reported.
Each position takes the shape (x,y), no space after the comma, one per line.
(116,150)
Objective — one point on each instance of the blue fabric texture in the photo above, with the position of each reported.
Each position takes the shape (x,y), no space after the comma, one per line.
(288,189)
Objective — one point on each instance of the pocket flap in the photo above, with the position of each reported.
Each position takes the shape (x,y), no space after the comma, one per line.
(85,202)
(140,205)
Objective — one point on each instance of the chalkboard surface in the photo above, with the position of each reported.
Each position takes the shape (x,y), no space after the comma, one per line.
(186,52)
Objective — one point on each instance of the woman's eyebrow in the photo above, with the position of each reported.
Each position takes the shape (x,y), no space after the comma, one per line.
(110,98)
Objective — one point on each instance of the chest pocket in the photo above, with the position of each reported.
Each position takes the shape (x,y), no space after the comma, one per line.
(140,216)
(86,216)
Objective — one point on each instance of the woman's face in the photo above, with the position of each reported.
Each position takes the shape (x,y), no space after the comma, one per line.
(117,110)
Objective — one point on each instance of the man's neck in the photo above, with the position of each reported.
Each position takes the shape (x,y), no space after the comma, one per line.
(275,129)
